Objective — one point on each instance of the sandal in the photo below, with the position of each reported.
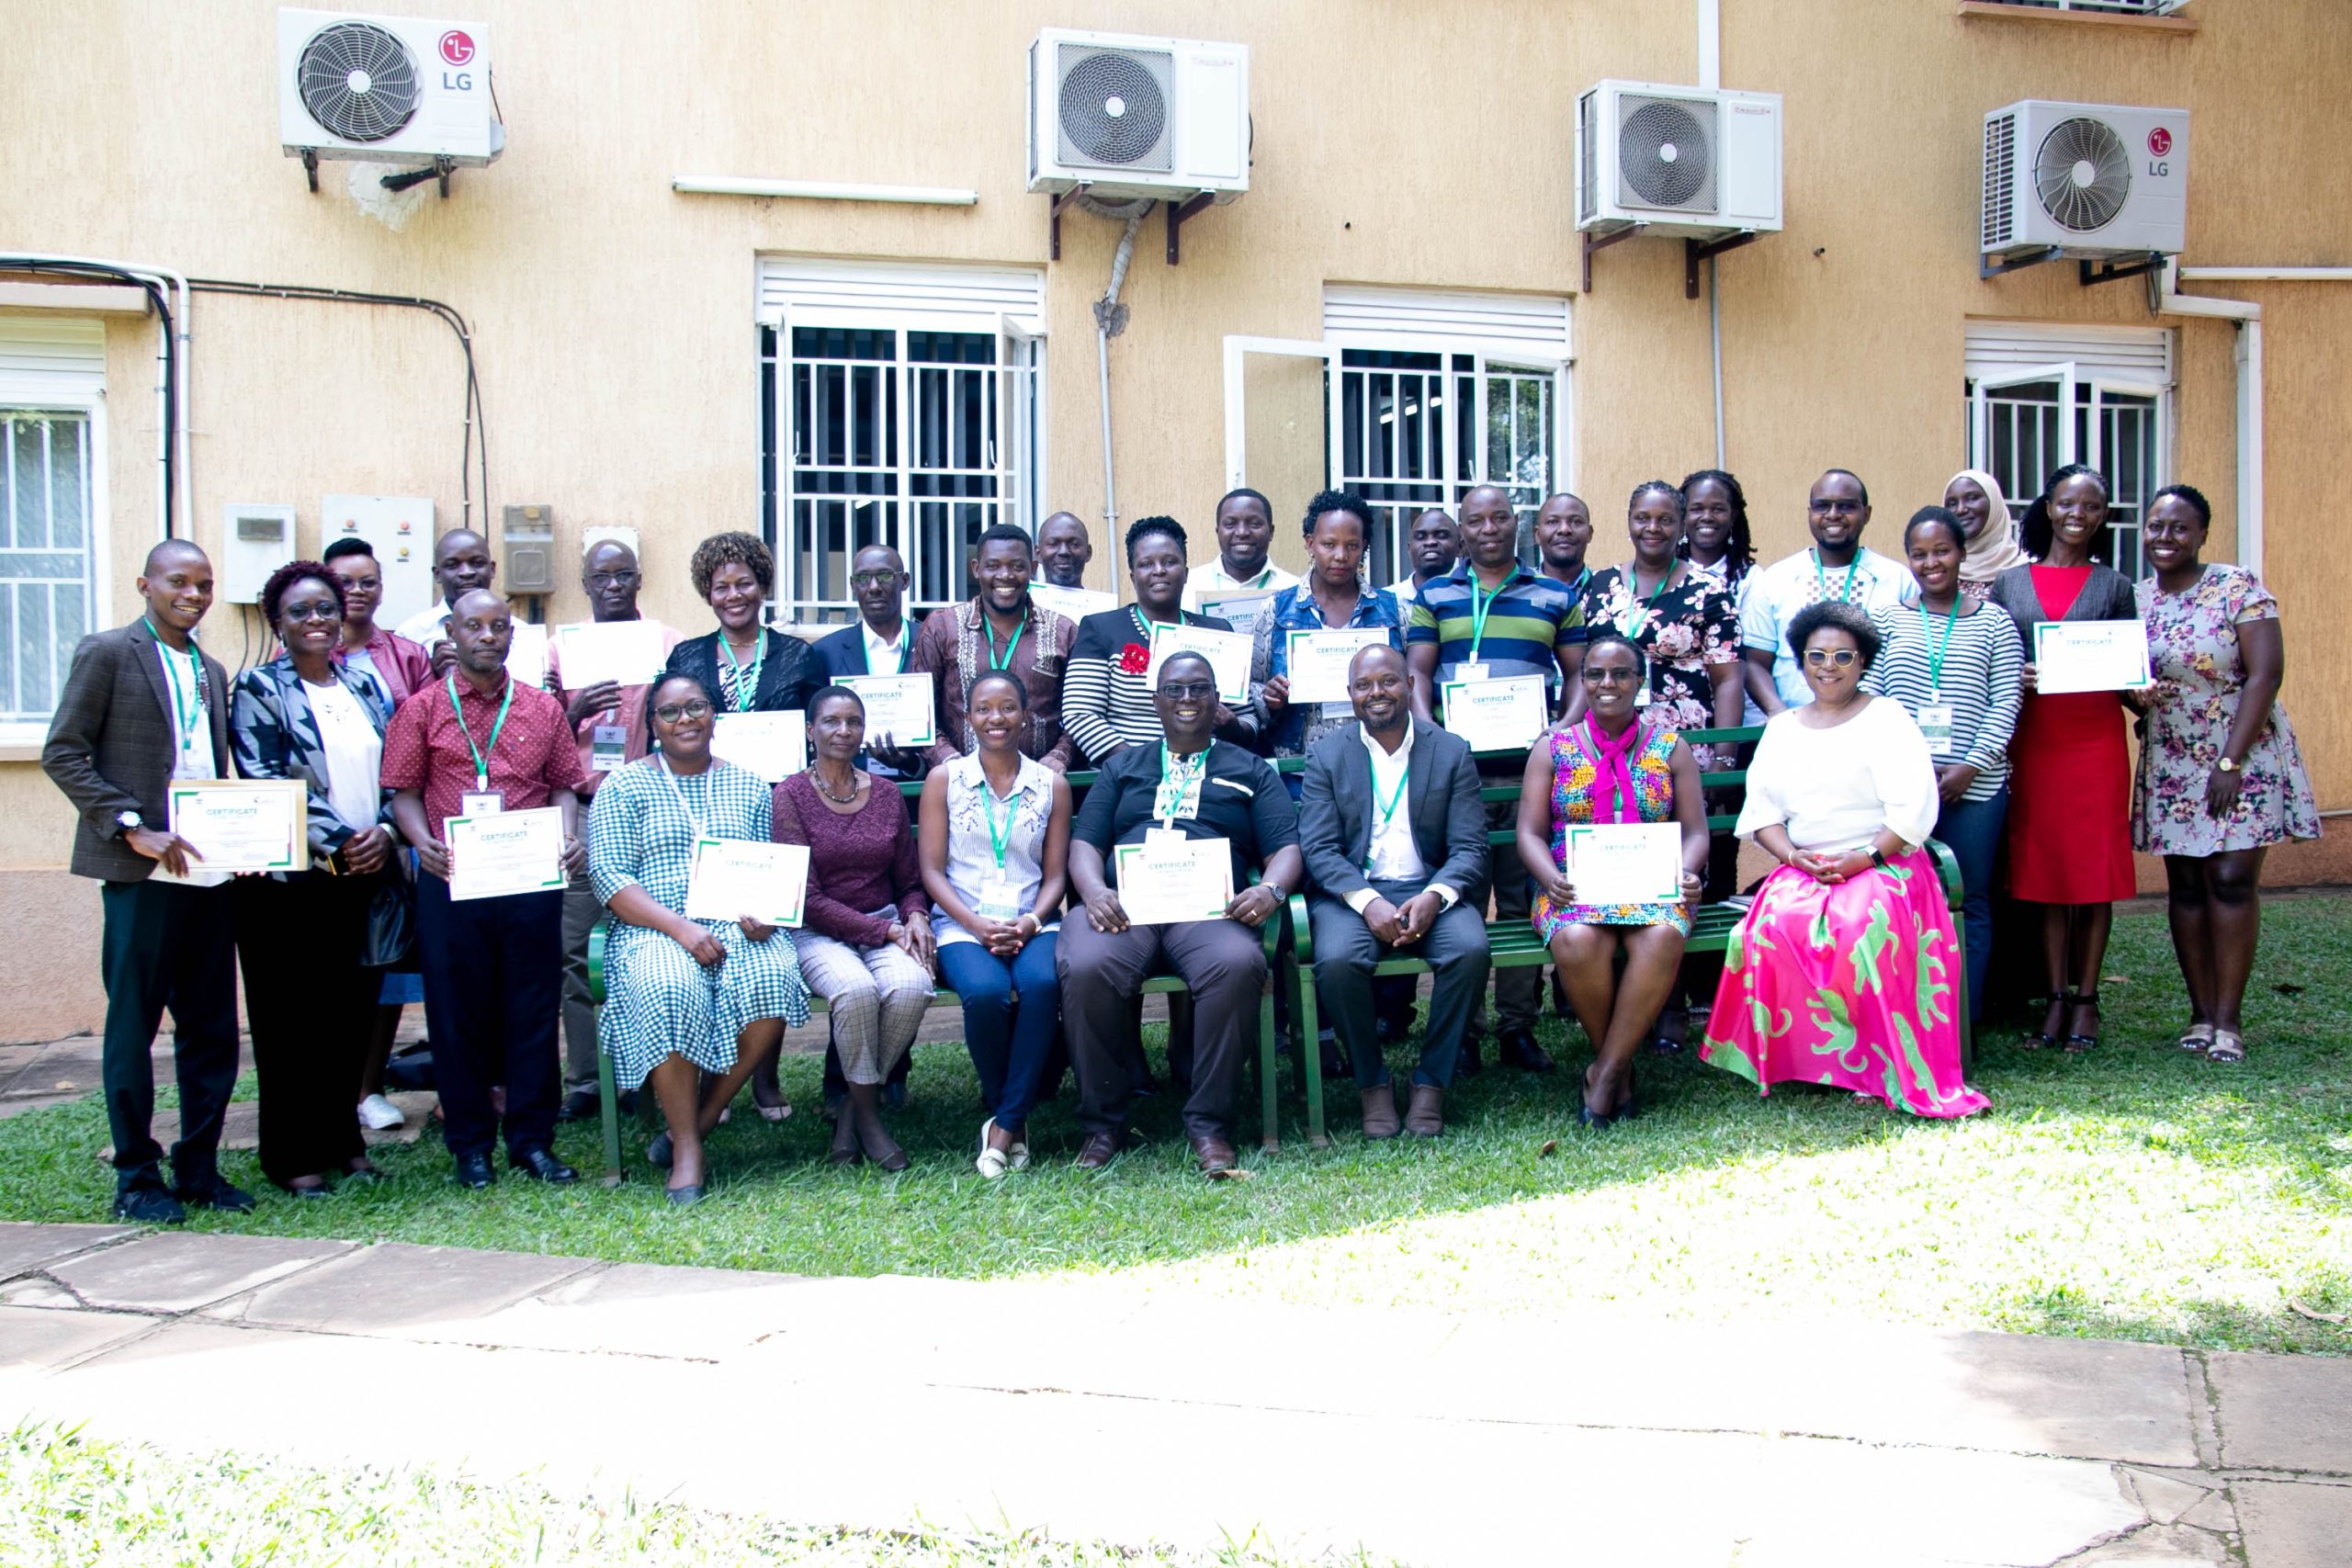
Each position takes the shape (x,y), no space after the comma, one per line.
(2042,1039)
(992,1163)
(2077,1043)
(770,1109)
(2197,1037)
(2228,1048)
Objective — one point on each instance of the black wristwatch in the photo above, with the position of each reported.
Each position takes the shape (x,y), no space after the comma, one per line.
(1878,857)
(127,823)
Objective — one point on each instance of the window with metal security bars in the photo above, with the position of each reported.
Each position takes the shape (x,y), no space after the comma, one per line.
(48,474)
(2110,407)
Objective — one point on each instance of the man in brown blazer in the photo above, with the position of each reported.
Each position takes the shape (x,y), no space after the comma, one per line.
(143,706)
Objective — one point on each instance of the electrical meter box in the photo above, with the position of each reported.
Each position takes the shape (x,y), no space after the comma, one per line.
(398,531)
(528,542)
(256,538)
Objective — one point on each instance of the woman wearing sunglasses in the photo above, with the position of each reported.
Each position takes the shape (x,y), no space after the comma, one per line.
(1844,970)
(690,1006)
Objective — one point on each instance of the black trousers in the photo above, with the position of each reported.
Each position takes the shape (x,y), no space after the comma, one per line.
(312,1005)
(1224,962)
(165,945)
(1345,950)
(492,980)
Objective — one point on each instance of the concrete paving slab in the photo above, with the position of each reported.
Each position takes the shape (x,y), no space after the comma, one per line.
(394,1290)
(2168,1498)
(2294,1524)
(37,1291)
(2158,1546)
(2215,1514)
(35,1340)
(24,1247)
(176,1272)
(2284,1412)
(645,1309)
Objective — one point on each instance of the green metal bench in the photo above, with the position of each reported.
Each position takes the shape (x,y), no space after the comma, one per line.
(1165,985)
(1514,944)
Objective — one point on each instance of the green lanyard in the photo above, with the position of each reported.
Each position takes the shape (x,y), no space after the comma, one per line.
(1479,609)
(1252,586)
(1145,626)
(1388,806)
(988,631)
(188,709)
(1639,617)
(746,690)
(1172,791)
(481,753)
(1936,658)
(1821,583)
(998,836)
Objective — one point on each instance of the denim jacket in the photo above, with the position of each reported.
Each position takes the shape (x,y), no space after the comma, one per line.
(275,735)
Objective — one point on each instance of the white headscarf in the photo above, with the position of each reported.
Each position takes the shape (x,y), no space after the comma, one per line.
(1994,549)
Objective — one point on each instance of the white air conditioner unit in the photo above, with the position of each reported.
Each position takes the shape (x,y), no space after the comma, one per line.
(2088,180)
(1137,118)
(386,89)
(1687,162)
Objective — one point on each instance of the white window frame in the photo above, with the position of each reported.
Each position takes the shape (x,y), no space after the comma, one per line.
(74,387)
(907,297)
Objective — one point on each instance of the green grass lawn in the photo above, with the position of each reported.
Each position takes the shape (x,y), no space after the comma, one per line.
(2132,1193)
(66,1502)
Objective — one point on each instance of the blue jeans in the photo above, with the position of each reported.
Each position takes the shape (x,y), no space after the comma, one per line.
(1010,1013)
(1971,829)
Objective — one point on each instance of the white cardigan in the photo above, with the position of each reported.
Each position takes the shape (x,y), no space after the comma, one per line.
(1834,789)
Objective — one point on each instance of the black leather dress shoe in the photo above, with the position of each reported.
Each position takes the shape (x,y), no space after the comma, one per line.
(148,1206)
(1467,1063)
(475,1171)
(580,1104)
(216,1194)
(1517,1048)
(541,1166)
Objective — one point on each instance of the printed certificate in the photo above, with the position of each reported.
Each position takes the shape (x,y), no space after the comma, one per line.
(588,652)
(527,652)
(1626,862)
(772,744)
(243,823)
(2090,656)
(1320,661)
(733,877)
(505,852)
(899,708)
(1166,880)
(1229,655)
(1505,714)
(1240,609)
(1072,603)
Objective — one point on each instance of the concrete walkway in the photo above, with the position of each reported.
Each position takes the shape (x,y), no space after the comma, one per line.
(1098,1410)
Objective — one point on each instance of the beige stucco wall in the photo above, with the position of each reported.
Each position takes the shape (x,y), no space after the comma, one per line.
(1393,144)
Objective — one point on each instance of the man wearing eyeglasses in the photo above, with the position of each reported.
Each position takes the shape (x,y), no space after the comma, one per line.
(608,721)
(881,643)
(1838,566)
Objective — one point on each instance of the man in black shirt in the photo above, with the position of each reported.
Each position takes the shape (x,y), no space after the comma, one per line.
(1193,787)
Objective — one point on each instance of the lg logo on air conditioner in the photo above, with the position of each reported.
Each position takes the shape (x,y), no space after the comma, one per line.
(2159,144)
(458,48)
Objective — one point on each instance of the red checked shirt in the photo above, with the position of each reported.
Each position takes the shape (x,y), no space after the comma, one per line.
(426,749)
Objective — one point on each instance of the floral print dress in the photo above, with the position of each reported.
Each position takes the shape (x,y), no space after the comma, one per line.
(1572,772)
(1689,629)
(2199,672)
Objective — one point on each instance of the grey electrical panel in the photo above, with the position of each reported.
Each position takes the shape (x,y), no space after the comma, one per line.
(529,541)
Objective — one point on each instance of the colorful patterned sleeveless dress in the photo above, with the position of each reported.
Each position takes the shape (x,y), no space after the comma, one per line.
(1572,775)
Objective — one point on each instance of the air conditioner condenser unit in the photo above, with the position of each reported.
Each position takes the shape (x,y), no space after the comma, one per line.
(2088,180)
(386,89)
(1687,162)
(1132,118)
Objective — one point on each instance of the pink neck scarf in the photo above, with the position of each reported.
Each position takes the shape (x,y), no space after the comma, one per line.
(1612,785)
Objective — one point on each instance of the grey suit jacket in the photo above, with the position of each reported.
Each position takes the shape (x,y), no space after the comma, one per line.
(109,746)
(1441,794)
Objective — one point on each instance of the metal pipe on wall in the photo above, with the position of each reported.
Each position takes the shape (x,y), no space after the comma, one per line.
(2248,317)
(1106,322)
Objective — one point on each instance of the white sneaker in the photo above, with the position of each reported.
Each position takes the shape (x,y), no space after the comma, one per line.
(377,1114)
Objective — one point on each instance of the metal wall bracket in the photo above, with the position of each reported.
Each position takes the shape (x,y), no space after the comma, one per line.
(1180,210)
(1695,250)
(439,169)
(1053,220)
(2017,262)
(1602,243)
(2107,271)
(310,168)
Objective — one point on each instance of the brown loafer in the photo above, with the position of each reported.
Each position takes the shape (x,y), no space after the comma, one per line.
(1380,1112)
(1215,1156)
(1099,1150)
(1425,1114)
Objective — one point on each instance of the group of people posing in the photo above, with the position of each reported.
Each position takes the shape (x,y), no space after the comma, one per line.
(1897,698)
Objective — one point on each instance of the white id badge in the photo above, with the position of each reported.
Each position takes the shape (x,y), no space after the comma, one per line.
(997,901)
(1339,710)
(1470,671)
(1156,836)
(1935,726)
(480,803)
(607,747)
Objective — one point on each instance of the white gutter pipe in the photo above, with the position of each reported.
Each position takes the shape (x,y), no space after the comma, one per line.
(2248,317)
(2266,274)
(1107,322)
(1710,44)
(1710,73)
(158,276)
(824,190)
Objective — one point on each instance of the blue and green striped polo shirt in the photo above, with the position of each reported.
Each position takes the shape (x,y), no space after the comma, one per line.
(1527,619)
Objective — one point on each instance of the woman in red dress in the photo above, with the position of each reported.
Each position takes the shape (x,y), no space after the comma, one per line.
(2070,787)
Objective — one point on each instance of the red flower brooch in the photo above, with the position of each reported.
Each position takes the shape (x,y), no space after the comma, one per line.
(1134,659)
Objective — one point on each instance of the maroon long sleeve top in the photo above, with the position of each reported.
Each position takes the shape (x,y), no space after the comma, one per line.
(857,863)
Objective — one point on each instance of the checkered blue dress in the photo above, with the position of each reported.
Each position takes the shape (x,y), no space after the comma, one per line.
(658,1000)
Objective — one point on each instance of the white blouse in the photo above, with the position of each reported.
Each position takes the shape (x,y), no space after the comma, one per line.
(1834,789)
(355,754)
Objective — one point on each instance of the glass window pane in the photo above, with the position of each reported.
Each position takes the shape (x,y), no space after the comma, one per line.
(44,555)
